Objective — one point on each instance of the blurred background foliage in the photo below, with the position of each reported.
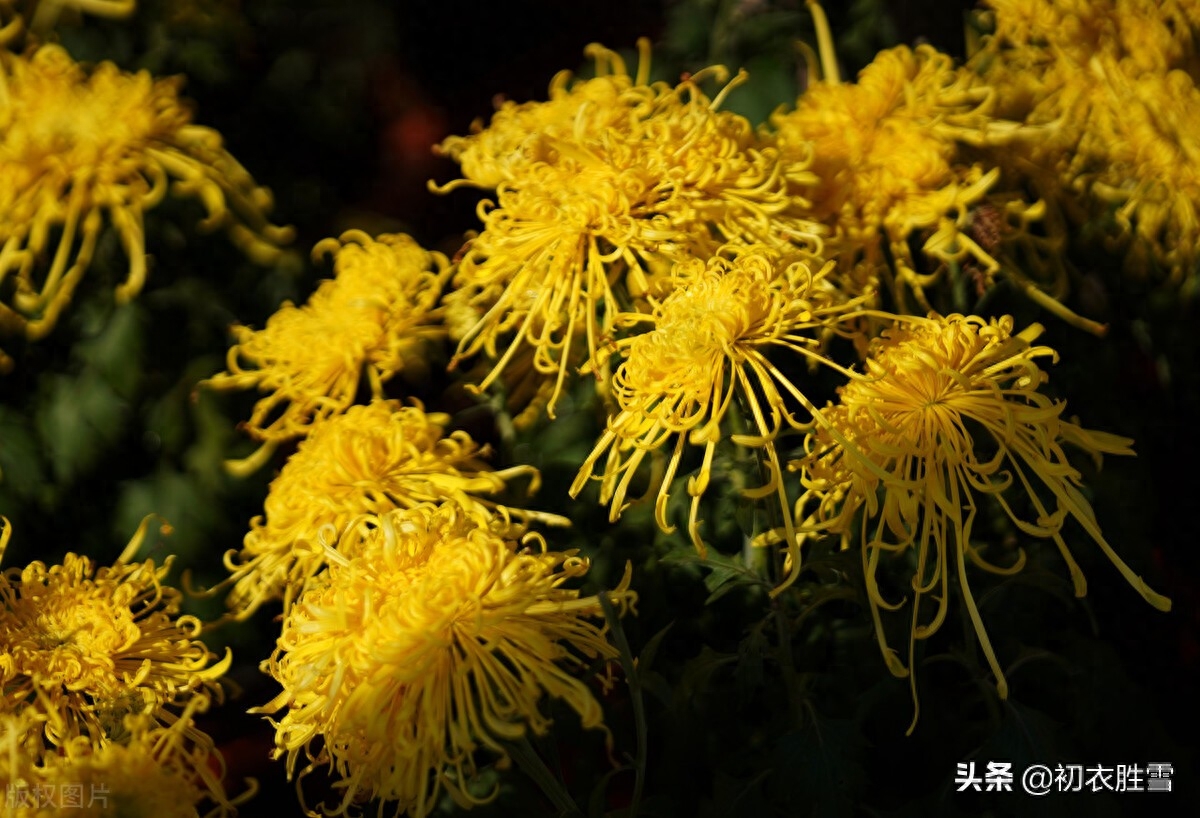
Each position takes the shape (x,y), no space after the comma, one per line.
(751,707)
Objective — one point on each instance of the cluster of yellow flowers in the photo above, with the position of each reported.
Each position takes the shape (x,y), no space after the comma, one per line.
(597,192)
(696,268)
(367,537)
(699,270)
(421,618)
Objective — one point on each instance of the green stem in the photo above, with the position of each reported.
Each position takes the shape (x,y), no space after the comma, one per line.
(532,765)
(635,697)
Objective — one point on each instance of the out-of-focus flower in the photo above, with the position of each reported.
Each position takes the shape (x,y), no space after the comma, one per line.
(82,646)
(371,459)
(153,770)
(76,145)
(597,191)
(948,418)
(1113,85)
(376,315)
(706,358)
(437,639)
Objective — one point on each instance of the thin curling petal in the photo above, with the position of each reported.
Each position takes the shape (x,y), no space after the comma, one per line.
(946,418)
(79,145)
(438,639)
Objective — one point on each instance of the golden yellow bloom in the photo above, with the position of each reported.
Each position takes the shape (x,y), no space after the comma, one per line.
(948,415)
(375,315)
(153,771)
(890,157)
(598,189)
(76,145)
(83,646)
(1113,83)
(371,459)
(1143,35)
(707,352)
(437,639)
(521,135)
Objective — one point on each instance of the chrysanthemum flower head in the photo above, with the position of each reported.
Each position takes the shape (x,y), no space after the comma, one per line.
(371,459)
(521,135)
(375,316)
(1118,81)
(155,770)
(623,178)
(706,358)
(436,639)
(947,419)
(886,155)
(83,646)
(77,145)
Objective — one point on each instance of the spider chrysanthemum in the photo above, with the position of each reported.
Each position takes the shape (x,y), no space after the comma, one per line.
(371,459)
(1117,81)
(596,191)
(709,358)
(80,147)
(438,639)
(891,156)
(83,646)
(374,317)
(947,420)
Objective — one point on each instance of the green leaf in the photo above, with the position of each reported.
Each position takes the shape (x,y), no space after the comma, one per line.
(22,468)
(78,419)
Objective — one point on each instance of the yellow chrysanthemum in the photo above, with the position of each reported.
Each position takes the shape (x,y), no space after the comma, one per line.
(76,145)
(375,315)
(891,154)
(521,135)
(1143,35)
(437,639)
(154,771)
(948,416)
(371,459)
(596,191)
(83,646)
(707,352)
(1117,82)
